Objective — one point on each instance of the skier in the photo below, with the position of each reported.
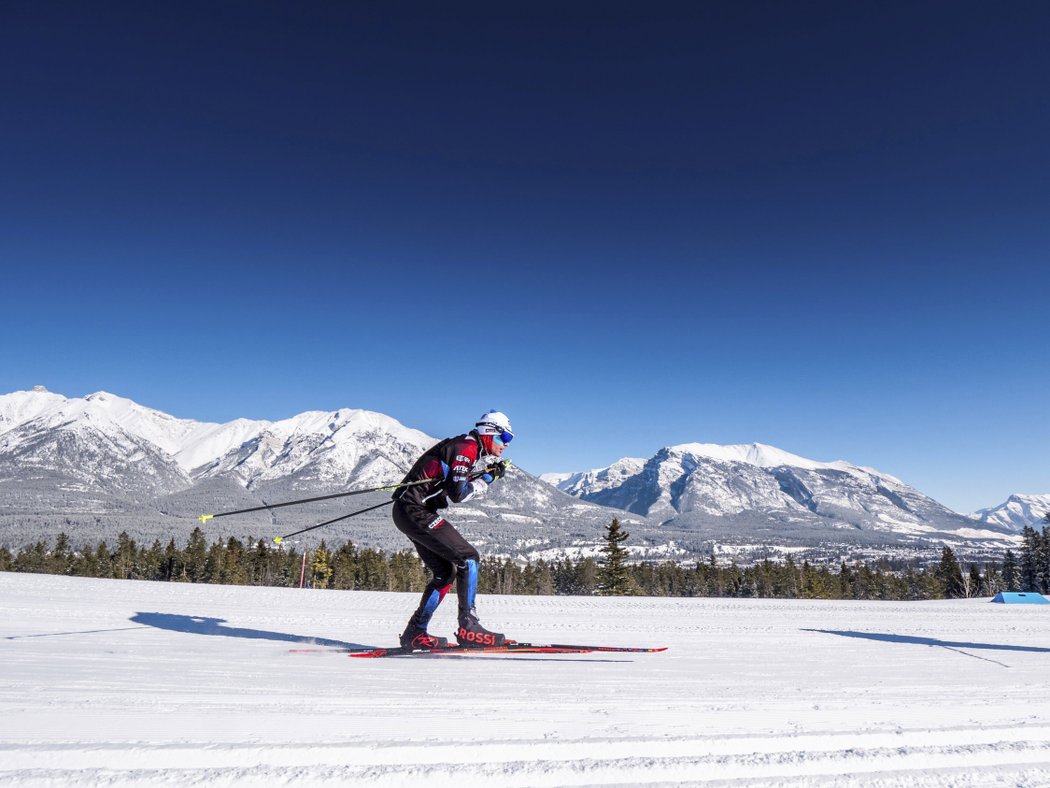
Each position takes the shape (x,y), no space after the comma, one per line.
(445,552)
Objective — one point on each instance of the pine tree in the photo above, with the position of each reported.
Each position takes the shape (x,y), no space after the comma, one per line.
(235,565)
(214,564)
(152,562)
(170,561)
(320,571)
(1029,580)
(1042,560)
(613,576)
(194,558)
(103,561)
(373,571)
(124,559)
(344,567)
(1011,574)
(60,560)
(950,574)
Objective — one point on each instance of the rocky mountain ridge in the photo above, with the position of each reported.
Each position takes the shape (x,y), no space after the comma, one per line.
(96,465)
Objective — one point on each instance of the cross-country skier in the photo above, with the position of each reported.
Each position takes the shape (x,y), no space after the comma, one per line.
(445,552)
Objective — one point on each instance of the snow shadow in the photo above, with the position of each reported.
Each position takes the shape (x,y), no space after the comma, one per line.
(921,641)
(199,625)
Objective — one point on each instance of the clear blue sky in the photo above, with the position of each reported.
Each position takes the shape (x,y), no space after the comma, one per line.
(822,226)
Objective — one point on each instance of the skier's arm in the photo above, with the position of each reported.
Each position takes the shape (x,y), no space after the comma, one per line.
(461,487)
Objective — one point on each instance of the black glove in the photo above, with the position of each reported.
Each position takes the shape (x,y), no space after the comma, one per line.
(497,471)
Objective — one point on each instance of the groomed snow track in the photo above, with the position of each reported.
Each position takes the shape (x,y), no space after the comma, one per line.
(123,683)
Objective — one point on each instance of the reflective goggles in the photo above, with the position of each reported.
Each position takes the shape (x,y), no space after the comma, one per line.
(503,436)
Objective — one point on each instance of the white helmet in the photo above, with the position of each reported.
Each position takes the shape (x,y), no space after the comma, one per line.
(495,423)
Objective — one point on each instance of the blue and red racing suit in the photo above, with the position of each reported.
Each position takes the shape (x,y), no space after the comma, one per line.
(442,548)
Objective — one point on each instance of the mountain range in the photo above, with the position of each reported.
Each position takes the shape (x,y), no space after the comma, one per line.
(100,464)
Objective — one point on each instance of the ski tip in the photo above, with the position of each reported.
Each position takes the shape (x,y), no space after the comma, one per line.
(205,517)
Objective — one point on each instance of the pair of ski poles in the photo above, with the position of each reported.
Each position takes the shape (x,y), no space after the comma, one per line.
(278,539)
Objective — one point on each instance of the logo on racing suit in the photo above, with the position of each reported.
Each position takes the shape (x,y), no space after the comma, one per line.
(435,523)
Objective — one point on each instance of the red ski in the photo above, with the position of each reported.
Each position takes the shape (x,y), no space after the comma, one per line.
(508,648)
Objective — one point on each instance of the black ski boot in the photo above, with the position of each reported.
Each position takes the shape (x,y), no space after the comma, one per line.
(472,635)
(419,640)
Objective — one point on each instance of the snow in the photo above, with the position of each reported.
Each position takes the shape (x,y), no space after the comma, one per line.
(193,444)
(132,683)
(1017,511)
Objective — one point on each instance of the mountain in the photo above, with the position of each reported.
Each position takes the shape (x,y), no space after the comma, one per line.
(100,464)
(1017,511)
(753,493)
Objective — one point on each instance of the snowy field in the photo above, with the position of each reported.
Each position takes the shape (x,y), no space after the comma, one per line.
(131,683)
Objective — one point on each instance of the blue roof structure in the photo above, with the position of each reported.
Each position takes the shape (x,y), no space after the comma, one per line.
(1021,598)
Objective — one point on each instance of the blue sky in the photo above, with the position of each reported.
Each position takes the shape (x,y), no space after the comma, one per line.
(821,226)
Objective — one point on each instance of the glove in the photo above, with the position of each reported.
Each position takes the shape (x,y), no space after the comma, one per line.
(497,471)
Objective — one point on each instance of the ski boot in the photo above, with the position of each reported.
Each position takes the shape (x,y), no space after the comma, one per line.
(472,635)
(420,640)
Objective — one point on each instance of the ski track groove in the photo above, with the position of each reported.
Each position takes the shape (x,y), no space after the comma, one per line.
(903,764)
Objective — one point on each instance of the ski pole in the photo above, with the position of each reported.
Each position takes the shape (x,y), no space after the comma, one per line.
(279,539)
(205,517)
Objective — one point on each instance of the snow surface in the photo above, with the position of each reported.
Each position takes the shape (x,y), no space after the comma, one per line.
(149,684)
(1017,511)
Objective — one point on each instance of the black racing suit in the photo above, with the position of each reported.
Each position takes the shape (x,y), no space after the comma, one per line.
(444,551)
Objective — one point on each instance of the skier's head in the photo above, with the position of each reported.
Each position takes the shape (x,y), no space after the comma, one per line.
(494,432)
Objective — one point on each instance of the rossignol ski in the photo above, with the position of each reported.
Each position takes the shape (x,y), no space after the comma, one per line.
(507,648)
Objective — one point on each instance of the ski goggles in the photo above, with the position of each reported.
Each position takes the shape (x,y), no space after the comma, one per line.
(503,436)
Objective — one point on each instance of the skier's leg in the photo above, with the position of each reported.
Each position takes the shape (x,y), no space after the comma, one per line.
(441,539)
(442,572)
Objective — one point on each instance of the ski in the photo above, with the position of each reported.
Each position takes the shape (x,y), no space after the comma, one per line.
(508,648)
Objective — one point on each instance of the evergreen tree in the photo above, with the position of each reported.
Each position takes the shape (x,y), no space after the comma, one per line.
(845,582)
(407,572)
(1042,561)
(33,558)
(60,561)
(103,561)
(214,564)
(319,572)
(950,574)
(1011,573)
(261,565)
(373,571)
(152,562)
(170,561)
(1028,565)
(344,567)
(193,566)
(613,576)
(124,558)
(235,564)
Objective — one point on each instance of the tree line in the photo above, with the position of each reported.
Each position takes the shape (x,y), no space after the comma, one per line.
(1029,570)
(257,562)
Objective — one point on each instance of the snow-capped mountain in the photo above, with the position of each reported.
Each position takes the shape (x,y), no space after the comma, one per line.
(1017,511)
(103,463)
(96,465)
(754,491)
(325,448)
